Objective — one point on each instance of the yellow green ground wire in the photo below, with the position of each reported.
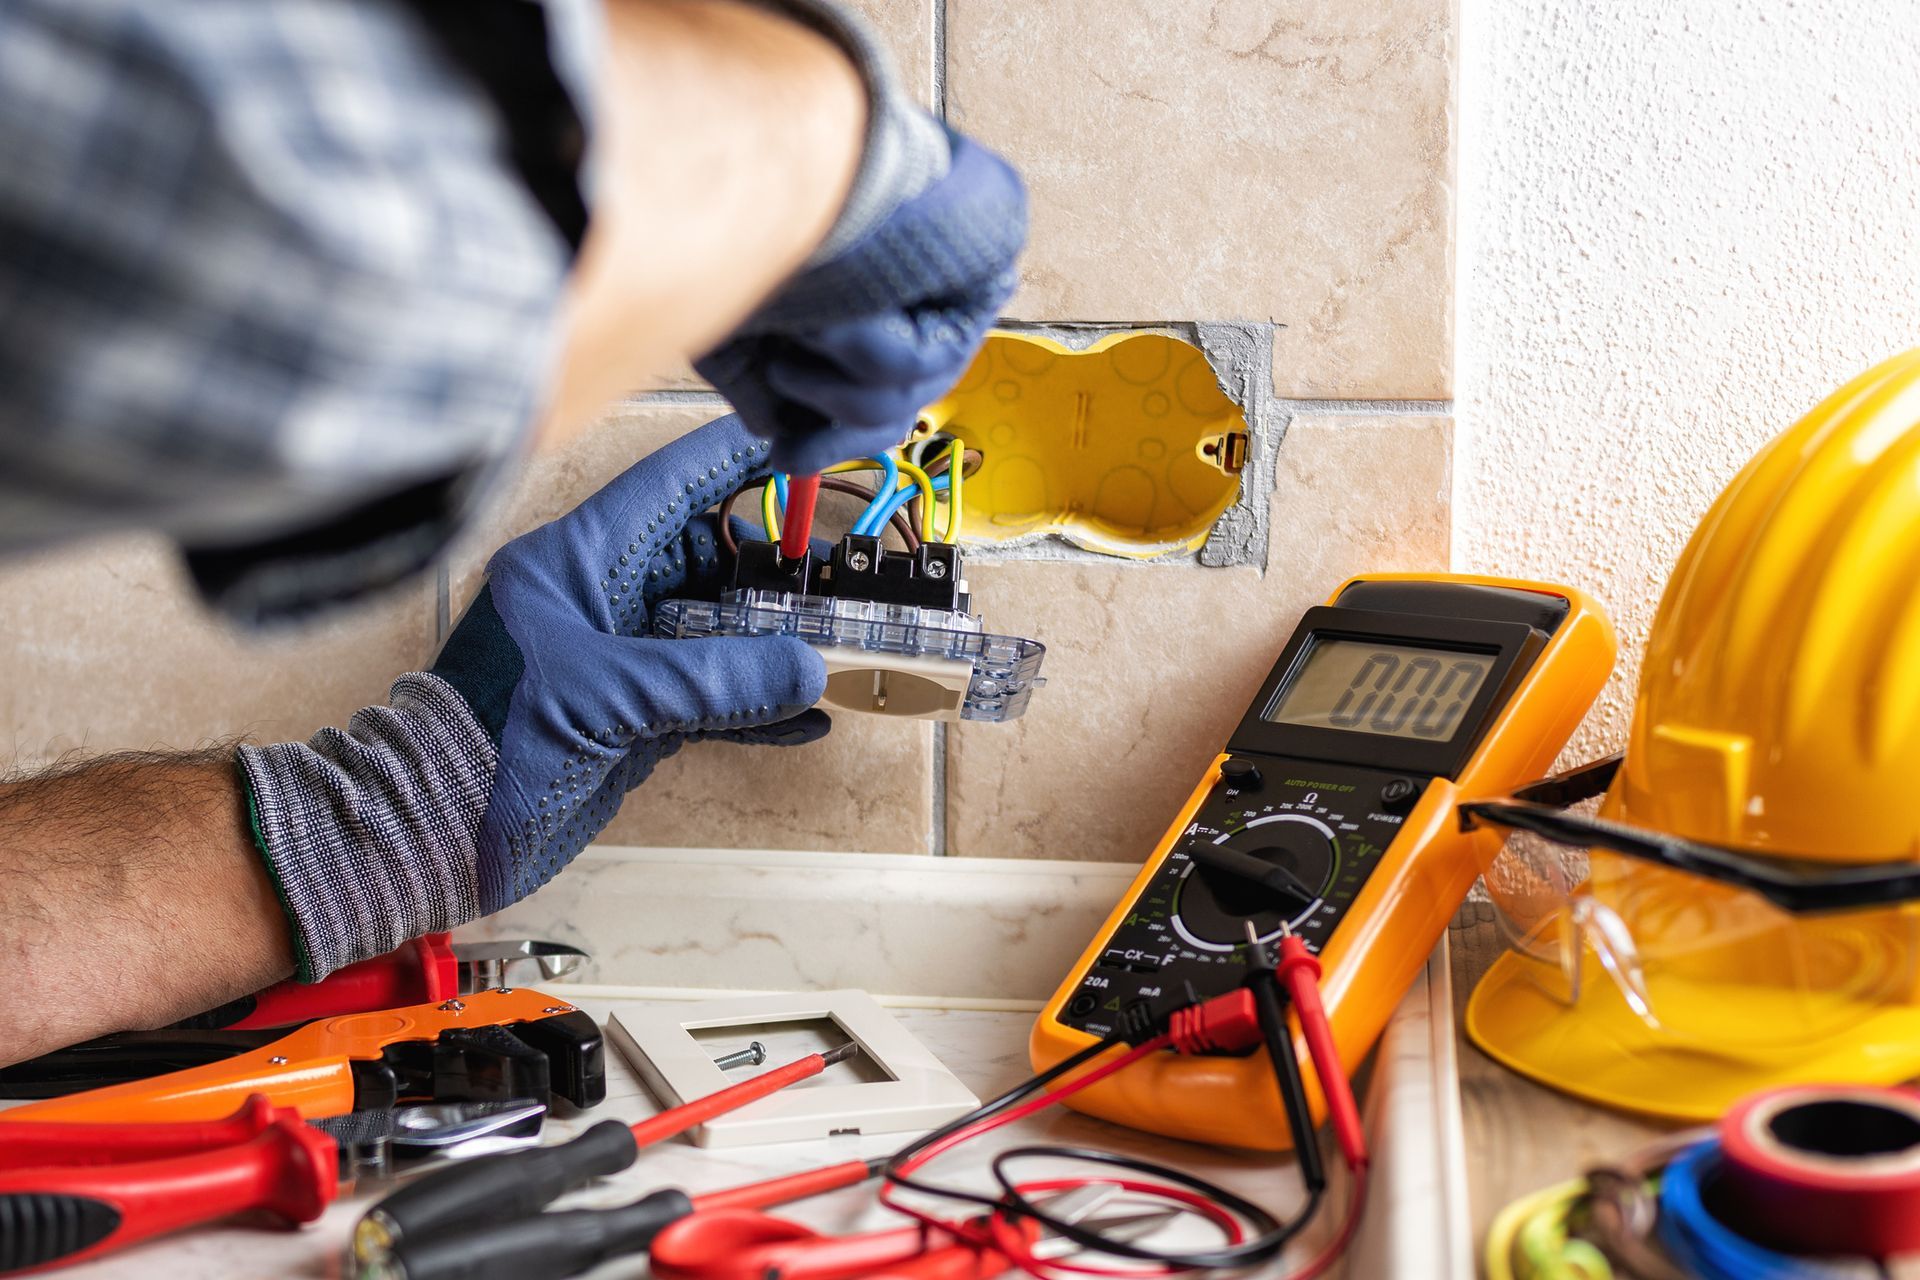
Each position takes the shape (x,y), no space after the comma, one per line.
(956,464)
(1529,1239)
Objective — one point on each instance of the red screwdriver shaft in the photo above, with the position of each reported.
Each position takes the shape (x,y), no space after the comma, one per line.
(684,1117)
(795,531)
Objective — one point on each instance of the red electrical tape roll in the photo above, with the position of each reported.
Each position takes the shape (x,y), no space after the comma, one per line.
(1829,1169)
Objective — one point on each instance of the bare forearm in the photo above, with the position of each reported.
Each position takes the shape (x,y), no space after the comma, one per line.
(728,139)
(130,896)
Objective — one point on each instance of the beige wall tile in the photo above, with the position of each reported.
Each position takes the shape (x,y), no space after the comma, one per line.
(1285,160)
(868,786)
(104,648)
(906,27)
(1149,667)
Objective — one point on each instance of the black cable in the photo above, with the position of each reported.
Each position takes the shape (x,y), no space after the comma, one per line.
(1273,1235)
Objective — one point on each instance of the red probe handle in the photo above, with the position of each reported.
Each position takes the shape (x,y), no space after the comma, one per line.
(59,1142)
(61,1215)
(684,1117)
(797,529)
(420,972)
(1299,969)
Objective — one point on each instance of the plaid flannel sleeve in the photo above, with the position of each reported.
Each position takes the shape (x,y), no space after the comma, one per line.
(279,278)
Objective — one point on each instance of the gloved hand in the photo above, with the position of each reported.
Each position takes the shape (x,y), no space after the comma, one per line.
(894,306)
(486,774)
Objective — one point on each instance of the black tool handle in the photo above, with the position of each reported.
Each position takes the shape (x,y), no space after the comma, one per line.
(503,1187)
(546,1244)
(1270,1002)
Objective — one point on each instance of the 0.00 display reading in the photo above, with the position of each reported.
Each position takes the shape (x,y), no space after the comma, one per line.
(1405,691)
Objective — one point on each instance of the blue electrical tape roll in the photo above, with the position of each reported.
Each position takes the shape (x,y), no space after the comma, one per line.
(1706,1247)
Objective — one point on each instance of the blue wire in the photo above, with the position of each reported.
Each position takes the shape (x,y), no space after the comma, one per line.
(780,489)
(1708,1248)
(866,524)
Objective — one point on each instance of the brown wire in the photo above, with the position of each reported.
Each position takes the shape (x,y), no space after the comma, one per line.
(834,484)
(970,460)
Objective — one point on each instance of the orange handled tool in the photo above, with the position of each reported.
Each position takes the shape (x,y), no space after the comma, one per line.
(313,1069)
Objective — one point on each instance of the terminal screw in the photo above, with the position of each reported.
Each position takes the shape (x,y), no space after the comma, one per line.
(751,1056)
(936,568)
(858,561)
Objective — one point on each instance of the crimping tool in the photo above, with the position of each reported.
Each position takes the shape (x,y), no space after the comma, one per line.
(491,1046)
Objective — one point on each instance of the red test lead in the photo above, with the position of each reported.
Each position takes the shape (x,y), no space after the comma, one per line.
(1299,971)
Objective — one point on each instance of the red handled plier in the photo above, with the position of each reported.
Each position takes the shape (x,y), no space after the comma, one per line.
(428,969)
(73,1191)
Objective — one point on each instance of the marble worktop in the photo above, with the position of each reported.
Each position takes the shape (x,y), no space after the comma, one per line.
(987,1050)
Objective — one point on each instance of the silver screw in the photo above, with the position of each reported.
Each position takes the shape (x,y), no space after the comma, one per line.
(558,1008)
(503,991)
(858,561)
(454,1006)
(278,1060)
(751,1056)
(936,568)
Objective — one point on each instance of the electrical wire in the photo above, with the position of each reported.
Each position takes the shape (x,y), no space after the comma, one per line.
(1272,1237)
(957,474)
(833,484)
(870,520)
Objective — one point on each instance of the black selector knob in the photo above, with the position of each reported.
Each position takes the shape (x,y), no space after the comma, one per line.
(1241,775)
(1274,870)
(1399,793)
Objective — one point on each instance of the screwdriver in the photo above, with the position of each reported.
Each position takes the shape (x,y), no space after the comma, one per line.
(796,530)
(569,1241)
(518,1184)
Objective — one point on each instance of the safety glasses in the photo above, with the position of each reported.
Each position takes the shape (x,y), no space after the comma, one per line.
(1703,943)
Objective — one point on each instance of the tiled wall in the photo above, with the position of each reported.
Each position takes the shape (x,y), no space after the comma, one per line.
(1244,160)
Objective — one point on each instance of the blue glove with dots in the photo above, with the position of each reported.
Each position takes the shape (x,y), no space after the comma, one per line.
(483,776)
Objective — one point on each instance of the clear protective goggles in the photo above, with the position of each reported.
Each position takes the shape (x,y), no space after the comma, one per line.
(1704,944)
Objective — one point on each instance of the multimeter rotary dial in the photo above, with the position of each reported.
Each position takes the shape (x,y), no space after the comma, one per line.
(1273,868)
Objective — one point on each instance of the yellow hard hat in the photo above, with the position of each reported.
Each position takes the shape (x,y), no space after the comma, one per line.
(1709,945)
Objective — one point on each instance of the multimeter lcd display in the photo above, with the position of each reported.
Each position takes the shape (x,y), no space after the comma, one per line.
(1401,690)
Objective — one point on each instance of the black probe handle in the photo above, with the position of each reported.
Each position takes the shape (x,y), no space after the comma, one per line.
(1269,1001)
(506,1186)
(546,1244)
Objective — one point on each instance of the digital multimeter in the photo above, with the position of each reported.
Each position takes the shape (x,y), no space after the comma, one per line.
(1333,809)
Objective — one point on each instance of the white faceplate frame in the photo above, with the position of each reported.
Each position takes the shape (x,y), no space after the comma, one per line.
(658,1043)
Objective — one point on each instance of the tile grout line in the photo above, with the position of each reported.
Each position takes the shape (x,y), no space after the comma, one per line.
(937,838)
(939,52)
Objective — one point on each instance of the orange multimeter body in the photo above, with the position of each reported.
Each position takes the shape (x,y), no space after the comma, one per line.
(1401,697)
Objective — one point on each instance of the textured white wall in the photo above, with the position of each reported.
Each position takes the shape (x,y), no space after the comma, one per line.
(1683,223)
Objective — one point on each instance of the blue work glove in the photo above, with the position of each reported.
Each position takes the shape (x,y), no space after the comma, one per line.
(486,774)
(890,312)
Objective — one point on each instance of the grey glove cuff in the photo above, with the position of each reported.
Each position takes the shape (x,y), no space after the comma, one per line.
(906,149)
(371,835)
